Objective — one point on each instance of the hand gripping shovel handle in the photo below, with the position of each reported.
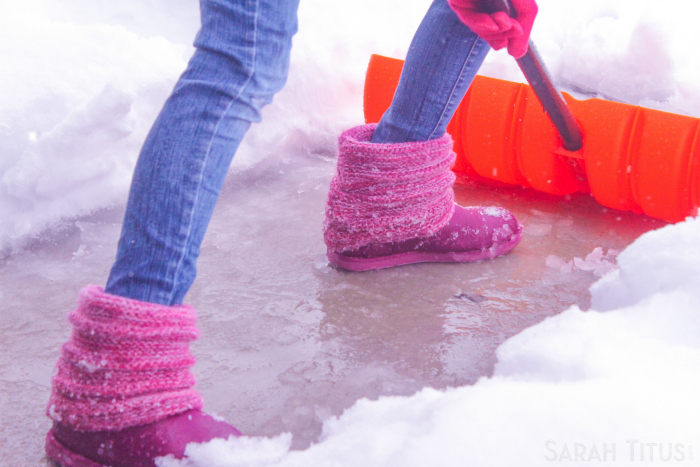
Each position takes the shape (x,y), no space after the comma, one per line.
(551,99)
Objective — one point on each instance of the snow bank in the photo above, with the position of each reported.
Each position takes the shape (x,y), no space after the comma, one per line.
(638,52)
(75,106)
(617,386)
(83,83)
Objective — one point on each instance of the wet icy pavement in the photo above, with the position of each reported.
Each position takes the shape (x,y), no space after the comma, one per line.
(287,340)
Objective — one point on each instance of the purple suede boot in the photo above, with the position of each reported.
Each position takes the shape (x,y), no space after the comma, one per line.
(393,204)
(123,392)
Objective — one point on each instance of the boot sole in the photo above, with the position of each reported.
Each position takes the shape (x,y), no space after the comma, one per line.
(368,264)
(63,456)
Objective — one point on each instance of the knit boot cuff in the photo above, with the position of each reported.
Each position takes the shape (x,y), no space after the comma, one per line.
(388,192)
(127,363)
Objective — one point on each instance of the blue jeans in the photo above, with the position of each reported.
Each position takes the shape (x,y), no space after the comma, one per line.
(241,61)
(441,63)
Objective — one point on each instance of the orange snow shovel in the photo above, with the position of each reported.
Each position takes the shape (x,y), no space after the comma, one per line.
(627,157)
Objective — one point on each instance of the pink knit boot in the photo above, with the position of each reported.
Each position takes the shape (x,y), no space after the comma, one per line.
(393,204)
(122,391)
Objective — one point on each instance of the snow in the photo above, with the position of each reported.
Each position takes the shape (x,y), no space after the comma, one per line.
(493,364)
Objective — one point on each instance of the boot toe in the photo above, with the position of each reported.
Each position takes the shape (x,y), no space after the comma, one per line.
(136,446)
(501,223)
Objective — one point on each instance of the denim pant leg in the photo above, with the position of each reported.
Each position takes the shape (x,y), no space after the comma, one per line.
(441,63)
(241,61)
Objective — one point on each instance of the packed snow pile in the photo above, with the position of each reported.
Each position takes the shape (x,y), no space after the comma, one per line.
(616,384)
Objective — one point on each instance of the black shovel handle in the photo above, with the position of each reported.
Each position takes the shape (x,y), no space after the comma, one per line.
(551,99)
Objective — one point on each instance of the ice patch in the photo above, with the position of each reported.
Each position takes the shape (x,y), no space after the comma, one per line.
(537,230)
(322,264)
(556,262)
(597,262)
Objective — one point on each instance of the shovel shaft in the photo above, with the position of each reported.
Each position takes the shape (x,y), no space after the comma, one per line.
(551,99)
